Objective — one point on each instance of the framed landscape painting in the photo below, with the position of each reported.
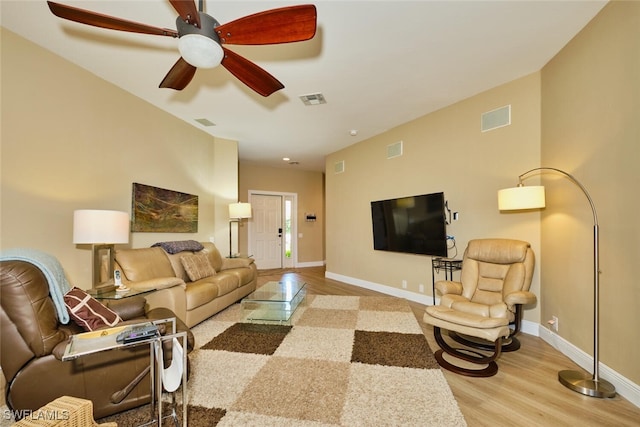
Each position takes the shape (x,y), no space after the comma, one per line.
(159,210)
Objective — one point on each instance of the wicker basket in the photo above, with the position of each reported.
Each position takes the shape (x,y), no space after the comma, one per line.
(65,411)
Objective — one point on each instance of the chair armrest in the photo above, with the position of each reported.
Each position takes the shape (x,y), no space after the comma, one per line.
(448,287)
(156,284)
(228,263)
(520,297)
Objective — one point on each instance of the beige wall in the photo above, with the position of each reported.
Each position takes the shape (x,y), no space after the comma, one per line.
(309,187)
(591,129)
(73,141)
(443,151)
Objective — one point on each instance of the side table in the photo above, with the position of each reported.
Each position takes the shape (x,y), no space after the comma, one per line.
(449,265)
(105,339)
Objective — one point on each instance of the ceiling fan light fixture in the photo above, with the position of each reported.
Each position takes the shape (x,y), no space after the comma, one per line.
(200,51)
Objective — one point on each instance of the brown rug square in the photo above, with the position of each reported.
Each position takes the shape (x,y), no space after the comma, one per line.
(392,349)
(249,338)
(297,389)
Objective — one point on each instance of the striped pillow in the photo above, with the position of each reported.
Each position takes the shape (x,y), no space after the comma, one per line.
(197,266)
(88,312)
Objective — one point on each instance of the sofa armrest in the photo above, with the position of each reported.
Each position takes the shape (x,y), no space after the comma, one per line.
(446,287)
(156,284)
(229,263)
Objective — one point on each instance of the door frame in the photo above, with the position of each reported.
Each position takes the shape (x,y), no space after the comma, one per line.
(294,225)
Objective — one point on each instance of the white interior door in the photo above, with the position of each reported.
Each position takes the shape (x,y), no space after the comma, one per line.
(267,231)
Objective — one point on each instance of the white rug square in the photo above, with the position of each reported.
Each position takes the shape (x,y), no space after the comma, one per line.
(317,343)
(393,396)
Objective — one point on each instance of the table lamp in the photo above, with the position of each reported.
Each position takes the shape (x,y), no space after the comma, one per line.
(102,229)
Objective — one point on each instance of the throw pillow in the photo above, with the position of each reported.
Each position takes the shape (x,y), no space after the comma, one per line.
(197,266)
(88,312)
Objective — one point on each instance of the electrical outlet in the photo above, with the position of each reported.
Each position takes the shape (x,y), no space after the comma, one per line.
(404,284)
(555,323)
(421,288)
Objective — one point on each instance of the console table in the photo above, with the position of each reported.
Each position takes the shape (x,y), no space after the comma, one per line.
(448,265)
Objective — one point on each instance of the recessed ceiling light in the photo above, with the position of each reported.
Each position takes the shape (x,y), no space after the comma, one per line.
(353,132)
(286,159)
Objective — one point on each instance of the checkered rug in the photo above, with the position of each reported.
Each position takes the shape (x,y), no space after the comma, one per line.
(343,361)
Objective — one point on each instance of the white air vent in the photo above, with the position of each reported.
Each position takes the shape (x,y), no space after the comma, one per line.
(394,150)
(313,99)
(205,122)
(496,118)
(338,167)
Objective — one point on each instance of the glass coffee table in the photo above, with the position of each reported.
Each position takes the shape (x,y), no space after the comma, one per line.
(274,301)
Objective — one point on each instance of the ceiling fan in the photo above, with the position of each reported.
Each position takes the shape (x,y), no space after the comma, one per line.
(202,39)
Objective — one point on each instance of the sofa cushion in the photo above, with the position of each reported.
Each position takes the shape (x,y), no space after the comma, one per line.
(178,268)
(214,255)
(197,266)
(227,282)
(144,264)
(88,312)
(200,293)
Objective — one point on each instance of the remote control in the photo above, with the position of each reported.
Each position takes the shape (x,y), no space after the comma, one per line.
(137,333)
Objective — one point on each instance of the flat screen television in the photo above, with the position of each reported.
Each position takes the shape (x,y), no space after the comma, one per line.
(414,225)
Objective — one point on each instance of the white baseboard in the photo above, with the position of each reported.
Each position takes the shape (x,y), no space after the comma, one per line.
(624,387)
(309,264)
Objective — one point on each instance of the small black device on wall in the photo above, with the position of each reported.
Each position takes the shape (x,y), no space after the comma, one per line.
(310,217)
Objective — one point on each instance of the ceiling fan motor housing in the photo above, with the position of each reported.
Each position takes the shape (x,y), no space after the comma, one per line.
(208,25)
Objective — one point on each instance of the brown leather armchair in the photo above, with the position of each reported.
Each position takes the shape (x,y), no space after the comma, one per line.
(486,305)
(33,342)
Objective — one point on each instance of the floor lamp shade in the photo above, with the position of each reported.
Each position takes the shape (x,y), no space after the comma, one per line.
(240,210)
(101,229)
(521,198)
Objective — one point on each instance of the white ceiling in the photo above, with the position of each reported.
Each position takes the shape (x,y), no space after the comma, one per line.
(378,63)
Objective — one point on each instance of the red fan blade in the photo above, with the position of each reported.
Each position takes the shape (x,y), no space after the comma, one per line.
(104,21)
(250,74)
(179,75)
(187,11)
(283,25)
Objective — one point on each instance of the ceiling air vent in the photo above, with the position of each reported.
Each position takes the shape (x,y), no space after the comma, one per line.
(205,122)
(313,99)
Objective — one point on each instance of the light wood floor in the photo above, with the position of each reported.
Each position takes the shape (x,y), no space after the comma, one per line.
(525,392)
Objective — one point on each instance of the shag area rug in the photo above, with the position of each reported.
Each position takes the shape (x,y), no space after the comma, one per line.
(343,361)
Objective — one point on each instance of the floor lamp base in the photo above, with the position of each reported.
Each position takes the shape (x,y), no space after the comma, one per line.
(579,382)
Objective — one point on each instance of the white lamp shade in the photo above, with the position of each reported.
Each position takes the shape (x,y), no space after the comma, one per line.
(515,198)
(240,210)
(200,51)
(98,226)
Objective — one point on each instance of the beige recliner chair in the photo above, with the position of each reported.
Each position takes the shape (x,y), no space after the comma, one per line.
(486,305)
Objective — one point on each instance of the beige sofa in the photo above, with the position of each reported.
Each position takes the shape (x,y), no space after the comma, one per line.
(192,301)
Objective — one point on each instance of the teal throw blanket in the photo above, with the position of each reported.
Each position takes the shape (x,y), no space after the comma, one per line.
(52,270)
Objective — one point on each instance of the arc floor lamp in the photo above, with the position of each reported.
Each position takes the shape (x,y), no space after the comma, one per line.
(532,197)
